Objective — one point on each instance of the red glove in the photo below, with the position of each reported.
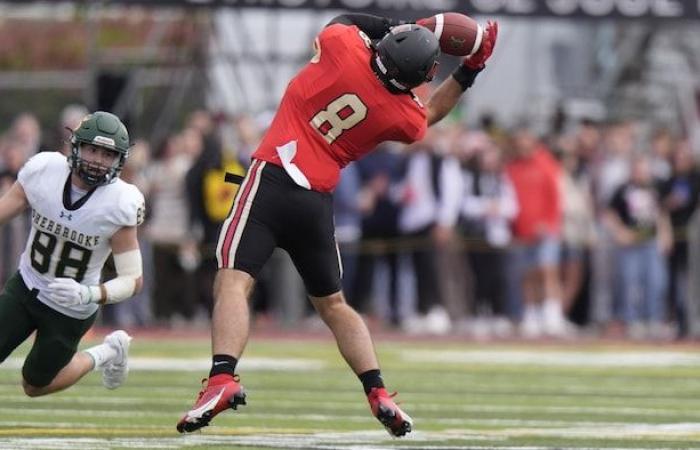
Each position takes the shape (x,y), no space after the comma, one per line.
(478,60)
(424,23)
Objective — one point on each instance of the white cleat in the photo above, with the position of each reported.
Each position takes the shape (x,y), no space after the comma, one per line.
(115,372)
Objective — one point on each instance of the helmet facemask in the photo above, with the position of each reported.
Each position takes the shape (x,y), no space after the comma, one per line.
(93,173)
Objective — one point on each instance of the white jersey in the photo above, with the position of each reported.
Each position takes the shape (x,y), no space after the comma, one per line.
(71,239)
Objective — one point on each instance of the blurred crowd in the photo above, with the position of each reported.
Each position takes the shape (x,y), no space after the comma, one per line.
(479,231)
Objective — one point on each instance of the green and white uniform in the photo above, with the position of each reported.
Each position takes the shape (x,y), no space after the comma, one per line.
(71,238)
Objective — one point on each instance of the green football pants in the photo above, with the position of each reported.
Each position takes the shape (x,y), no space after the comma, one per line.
(57,335)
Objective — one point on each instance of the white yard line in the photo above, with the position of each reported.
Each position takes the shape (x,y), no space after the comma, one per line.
(468,423)
(556,358)
(376,440)
(204,364)
(471,408)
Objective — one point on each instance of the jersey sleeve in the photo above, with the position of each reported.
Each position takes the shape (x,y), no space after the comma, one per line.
(32,170)
(334,40)
(132,207)
(332,32)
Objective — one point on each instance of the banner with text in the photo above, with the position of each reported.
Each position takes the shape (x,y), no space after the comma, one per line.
(623,9)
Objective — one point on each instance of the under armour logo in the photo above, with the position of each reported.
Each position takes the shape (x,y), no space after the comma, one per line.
(66,215)
(456,42)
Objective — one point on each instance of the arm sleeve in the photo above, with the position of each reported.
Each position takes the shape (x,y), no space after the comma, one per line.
(375,27)
(129,267)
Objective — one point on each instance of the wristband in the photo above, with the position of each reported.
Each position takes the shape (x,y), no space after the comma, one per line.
(465,76)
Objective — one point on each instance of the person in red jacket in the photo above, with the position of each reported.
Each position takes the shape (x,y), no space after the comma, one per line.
(536,231)
(355,93)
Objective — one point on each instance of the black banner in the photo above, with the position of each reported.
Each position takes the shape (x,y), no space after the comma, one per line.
(622,9)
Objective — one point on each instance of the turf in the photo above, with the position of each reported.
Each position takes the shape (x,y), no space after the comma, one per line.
(300,395)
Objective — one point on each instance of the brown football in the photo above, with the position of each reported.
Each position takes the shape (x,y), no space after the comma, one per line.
(459,35)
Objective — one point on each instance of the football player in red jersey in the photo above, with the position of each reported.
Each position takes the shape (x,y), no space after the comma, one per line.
(354,94)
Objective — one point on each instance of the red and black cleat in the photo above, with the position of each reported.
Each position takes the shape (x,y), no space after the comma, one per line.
(221,392)
(396,422)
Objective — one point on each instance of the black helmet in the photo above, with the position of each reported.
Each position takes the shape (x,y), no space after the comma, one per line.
(406,57)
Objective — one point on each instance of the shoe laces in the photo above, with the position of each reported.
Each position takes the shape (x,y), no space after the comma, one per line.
(205,385)
(392,395)
(204,388)
(378,394)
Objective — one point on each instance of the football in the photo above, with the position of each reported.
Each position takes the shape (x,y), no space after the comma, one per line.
(459,35)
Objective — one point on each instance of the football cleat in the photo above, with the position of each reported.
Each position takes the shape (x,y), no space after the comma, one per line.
(221,393)
(115,371)
(396,422)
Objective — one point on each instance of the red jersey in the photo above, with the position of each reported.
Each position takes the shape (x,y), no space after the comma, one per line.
(335,110)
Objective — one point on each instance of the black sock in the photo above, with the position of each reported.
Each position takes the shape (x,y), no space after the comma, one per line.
(371,379)
(223,364)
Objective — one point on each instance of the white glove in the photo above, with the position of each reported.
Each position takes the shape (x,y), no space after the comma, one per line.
(68,292)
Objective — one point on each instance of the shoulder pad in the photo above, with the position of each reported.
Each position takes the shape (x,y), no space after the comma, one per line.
(37,164)
(132,206)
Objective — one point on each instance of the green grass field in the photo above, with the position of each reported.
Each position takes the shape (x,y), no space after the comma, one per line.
(301,396)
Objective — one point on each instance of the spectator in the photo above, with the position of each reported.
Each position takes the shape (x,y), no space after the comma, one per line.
(71,115)
(13,235)
(348,225)
(680,195)
(489,205)
(430,207)
(537,232)
(578,227)
(587,147)
(609,171)
(642,232)
(26,131)
(663,144)
(380,173)
(209,198)
(174,256)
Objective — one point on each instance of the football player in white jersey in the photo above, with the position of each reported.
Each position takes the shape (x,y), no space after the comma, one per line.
(81,212)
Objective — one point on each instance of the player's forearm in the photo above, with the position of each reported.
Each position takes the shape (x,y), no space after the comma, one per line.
(375,27)
(68,292)
(447,94)
(128,282)
(443,100)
